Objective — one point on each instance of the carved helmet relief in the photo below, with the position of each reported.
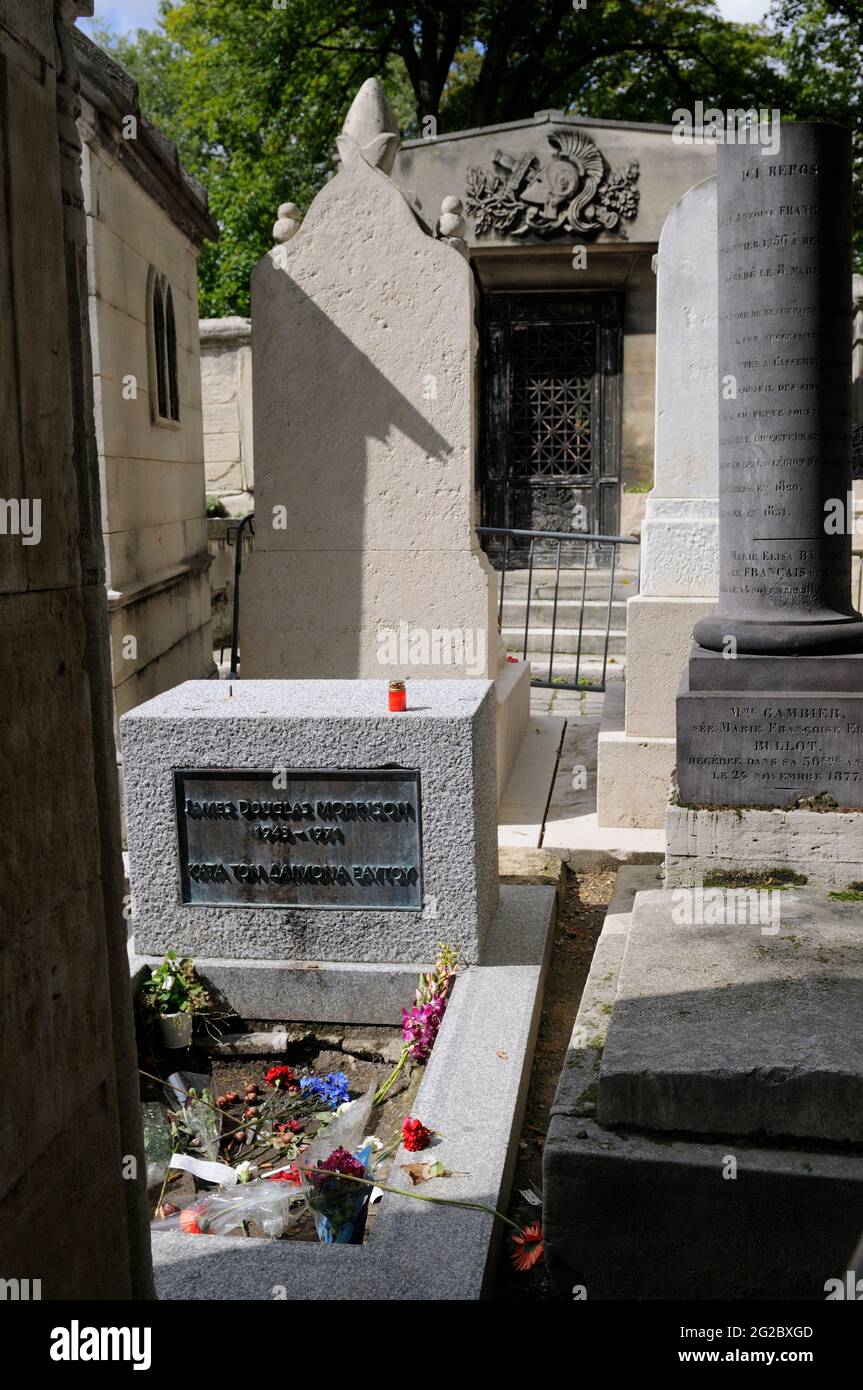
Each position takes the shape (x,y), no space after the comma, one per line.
(573,191)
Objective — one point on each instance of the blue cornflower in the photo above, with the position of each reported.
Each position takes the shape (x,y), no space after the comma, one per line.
(332,1089)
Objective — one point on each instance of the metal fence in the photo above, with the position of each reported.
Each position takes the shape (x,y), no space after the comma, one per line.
(247,520)
(587,554)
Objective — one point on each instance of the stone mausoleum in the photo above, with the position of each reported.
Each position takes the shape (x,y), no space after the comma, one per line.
(583,326)
(147,220)
(558,330)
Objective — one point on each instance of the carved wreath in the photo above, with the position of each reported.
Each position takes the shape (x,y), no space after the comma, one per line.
(574,191)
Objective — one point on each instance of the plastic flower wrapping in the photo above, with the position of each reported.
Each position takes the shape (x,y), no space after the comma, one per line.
(336,1156)
(313,1182)
(339,1205)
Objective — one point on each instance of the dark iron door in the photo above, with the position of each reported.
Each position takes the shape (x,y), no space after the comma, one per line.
(551,413)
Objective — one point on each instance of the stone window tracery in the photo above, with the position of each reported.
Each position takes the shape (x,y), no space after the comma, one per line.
(164,380)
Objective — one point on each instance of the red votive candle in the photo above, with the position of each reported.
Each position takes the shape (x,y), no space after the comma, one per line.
(398,697)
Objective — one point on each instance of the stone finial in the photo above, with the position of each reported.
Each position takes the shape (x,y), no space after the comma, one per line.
(288,223)
(451,224)
(370,129)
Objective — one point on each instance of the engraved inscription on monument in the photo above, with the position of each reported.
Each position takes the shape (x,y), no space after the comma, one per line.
(770,710)
(754,749)
(784,407)
(303,839)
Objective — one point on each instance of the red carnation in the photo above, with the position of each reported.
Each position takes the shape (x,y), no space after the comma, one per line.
(279,1076)
(415,1136)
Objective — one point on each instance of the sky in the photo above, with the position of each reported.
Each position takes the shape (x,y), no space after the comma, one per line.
(123,15)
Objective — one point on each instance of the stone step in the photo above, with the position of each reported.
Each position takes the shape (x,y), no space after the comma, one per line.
(568,612)
(565,640)
(564,669)
(570,587)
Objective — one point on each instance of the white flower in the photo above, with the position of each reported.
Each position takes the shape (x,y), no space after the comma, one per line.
(373,1141)
(246,1170)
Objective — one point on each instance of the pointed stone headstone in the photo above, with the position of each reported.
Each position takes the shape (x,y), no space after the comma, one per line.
(366,561)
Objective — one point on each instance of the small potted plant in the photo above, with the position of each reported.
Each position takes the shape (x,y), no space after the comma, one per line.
(171,993)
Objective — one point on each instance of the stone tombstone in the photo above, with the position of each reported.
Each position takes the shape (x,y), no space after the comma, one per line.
(679,535)
(770,710)
(286,821)
(366,560)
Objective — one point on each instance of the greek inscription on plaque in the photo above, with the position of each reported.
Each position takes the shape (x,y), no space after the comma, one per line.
(344,840)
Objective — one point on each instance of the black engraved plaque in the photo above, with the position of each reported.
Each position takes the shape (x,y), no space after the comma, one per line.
(338,839)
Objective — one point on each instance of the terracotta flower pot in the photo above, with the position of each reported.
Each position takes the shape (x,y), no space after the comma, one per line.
(176,1029)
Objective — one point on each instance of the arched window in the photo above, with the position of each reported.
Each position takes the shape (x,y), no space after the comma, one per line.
(158,331)
(171,344)
(164,386)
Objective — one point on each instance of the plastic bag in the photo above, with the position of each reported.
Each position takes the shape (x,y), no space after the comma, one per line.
(157,1141)
(200,1117)
(272,1206)
(340,1207)
(346,1131)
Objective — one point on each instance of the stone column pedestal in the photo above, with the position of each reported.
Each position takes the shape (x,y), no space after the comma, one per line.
(769,710)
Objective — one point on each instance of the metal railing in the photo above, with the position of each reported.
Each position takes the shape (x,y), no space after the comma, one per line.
(247,520)
(601,548)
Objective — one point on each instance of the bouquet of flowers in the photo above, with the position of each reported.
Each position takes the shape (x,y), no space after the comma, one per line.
(339,1203)
(420,1023)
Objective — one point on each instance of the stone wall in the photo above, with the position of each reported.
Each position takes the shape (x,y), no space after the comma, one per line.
(71,1113)
(142,220)
(226,388)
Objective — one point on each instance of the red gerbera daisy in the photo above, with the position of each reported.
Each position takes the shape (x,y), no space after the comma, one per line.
(190,1220)
(528,1247)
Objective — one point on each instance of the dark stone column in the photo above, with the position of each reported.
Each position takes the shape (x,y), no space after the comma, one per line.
(785,437)
(770,710)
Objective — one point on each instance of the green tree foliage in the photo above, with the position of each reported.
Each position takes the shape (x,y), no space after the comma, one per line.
(821,52)
(254,93)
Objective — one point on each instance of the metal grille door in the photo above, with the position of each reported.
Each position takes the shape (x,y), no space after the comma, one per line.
(551,391)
